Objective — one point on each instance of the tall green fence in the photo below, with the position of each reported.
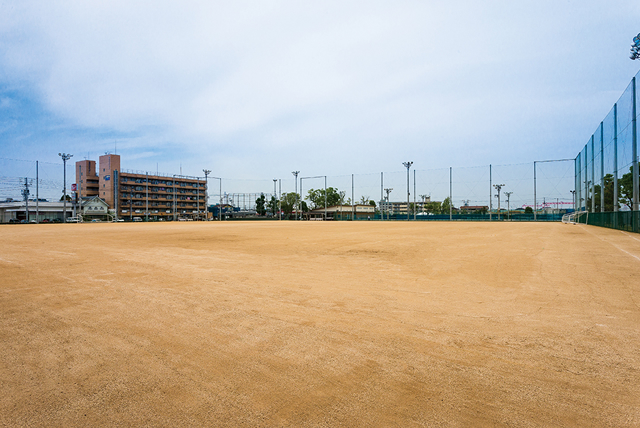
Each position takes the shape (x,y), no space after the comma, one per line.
(622,220)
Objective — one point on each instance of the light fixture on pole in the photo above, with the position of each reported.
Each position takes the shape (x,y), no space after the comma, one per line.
(407,165)
(573,198)
(297,202)
(388,190)
(508,205)
(65,157)
(498,187)
(206,193)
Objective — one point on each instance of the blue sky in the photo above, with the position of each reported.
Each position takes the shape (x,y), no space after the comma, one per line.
(255,89)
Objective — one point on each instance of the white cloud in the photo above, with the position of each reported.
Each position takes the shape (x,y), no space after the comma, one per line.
(274,80)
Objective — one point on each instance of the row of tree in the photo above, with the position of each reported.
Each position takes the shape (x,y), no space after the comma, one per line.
(316,198)
(625,192)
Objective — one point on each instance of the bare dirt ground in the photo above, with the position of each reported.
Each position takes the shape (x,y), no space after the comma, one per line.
(319,324)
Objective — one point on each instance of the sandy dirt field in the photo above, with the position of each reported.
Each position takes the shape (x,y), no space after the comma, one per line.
(390,324)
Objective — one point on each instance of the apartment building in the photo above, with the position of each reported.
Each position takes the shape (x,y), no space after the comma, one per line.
(137,194)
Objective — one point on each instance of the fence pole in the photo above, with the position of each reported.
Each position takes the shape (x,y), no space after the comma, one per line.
(450,194)
(535,196)
(353,200)
(37,196)
(601,167)
(593,175)
(414,195)
(636,171)
(615,160)
(490,193)
(381,194)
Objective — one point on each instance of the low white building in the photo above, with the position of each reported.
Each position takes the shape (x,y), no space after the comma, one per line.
(40,211)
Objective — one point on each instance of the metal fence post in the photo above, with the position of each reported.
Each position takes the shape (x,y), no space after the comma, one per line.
(636,168)
(593,175)
(450,194)
(615,159)
(490,193)
(601,167)
(535,200)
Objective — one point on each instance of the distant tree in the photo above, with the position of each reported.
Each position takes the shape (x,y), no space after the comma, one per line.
(372,203)
(528,210)
(608,194)
(68,198)
(273,205)
(288,202)
(444,208)
(317,197)
(625,195)
(260,205)
(364,200)
(432,207)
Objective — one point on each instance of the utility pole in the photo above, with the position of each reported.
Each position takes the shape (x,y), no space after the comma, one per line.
(206,193)
(573,198)
(388,190)
(297,200)
(25,194)
(275,195)
(65,157)
(498,187)
(408,165)
(508,205)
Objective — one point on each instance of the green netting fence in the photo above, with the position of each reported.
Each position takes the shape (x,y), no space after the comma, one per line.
(622,220)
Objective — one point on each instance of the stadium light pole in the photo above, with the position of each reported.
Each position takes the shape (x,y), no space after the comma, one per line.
(65,157)
(498,187)
(408,165)
(573,198)
(295,173)
(388,190)
(508,205)
(206,193)
(275,195)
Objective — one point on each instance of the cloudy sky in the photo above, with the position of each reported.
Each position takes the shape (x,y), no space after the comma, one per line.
(256,89)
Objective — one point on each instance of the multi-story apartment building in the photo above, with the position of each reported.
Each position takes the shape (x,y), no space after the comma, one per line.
(132,194)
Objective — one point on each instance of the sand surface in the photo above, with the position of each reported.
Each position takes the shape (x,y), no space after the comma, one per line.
(319,324)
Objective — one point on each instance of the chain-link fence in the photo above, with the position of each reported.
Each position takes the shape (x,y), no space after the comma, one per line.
(607,178)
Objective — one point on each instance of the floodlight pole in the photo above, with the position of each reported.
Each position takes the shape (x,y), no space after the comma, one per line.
(65,157)
(414,195)
(498,187)
(388,191)
(407,165)
(295,173)
(206,193)
(573,198)
(508,205)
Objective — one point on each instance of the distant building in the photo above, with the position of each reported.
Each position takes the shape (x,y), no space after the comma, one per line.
(130,194)
(42,212)
(342,212)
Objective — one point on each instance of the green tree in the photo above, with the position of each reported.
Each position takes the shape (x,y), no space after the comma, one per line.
(528,210)
(288,202)
(260,205)
(444,208)
(608,194)
(273,205)
(625,194)
(317,197)
(432,207)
